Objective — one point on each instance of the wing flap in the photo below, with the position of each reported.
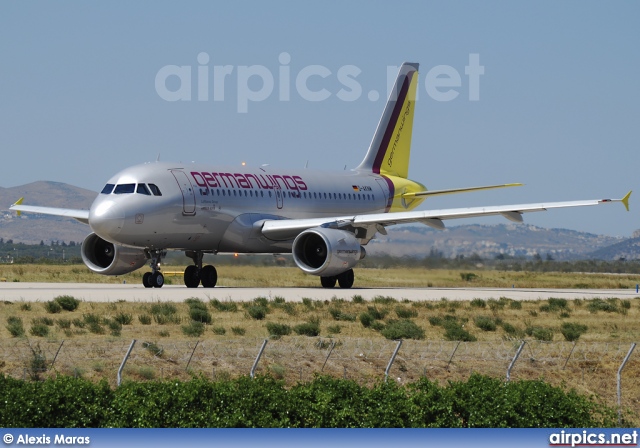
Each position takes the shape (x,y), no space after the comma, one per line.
(286,229)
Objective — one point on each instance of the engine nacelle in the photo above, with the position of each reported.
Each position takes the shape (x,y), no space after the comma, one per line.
(107,258)
(326,252)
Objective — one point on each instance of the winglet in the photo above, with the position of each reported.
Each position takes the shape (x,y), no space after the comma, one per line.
(18,202)
(625,200)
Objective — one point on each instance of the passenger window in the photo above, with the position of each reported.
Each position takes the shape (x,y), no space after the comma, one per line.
(155,190)
(107,189)
(142,189)
(125,188)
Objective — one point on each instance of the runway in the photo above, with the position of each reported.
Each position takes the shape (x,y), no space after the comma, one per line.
(98,292)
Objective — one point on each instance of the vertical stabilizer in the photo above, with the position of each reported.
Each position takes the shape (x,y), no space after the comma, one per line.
(391,145)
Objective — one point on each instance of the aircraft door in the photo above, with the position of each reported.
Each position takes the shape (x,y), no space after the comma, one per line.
(279,196)
(188,195)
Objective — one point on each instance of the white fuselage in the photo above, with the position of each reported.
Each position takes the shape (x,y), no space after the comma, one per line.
(220,209)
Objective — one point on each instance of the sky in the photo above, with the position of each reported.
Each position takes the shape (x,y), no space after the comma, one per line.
(89,88)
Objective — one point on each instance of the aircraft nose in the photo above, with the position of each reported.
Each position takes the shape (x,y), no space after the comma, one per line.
(106,218)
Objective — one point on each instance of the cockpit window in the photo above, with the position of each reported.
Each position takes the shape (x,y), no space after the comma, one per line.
(107,189)
(125,188)
(154,188)
(142,189)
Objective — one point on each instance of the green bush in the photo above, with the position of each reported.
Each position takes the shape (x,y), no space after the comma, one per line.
(455,332)
(388,300)
(608,306)
(468,276)
(540,333)
(377,314)
(200,315)
(339,315)
(15,327)
(572,331)
(334,329)
(257,312)
(276,329)
(68,303)
(52,307)
(485,323)
(402,329)
(39,330)
(164,309)
(153,348)
(366,319)
(144,319)
(123,318)
(193,329)
(265,402)
(239,331)
(357,299)
(404,312)
(478,303)
(64,324)
(228,306)
(219,330)
(310,328)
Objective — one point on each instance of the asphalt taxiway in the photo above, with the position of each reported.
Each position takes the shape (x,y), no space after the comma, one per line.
(98,292)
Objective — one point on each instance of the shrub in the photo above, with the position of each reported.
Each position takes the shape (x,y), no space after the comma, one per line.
(144,319)
(572,331)
(406,313)
(366,319)
(25,307)
(339,315)
(478,303)
(193,329)
(334,329)
(238,331)
(595,305)
(512,330)
(540,333)
(402,329)
(219,330)
(52,307)
(228,306)
(15,327)
(557,304)
(257,312)
(43,320)
(115,327)
(468,276)
(64,324)
(96,328)
(276,329)
(307,302)
(384,300)
(435,321)
(455,332)
(376,313)
(290,309)
(485,323)
(39,330)
(68,303)
(515,305)
(200,315)
(310,328)
(377,325)
(123,318)
(164,309)
(357,299)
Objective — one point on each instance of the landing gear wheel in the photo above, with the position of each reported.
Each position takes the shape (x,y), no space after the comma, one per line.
(157,280)
(191,277)
(345,280)
(146,280)
(208,276)
(328,282)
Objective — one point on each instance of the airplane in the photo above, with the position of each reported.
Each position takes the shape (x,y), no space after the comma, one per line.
(323,218)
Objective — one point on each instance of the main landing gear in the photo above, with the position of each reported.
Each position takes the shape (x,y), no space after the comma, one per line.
(193,275)
(196,273)
(345,280)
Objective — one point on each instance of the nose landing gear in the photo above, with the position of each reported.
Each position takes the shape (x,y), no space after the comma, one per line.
(154,279)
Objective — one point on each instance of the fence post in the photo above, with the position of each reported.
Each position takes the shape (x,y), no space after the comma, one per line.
(513,361)
(333,344)
(255,363)
(452,354)
(393,358)
(619,376)
(56,356)
(194,350)
(124,361)
(570,353)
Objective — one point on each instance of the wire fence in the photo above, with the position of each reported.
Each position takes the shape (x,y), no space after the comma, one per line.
(589,367)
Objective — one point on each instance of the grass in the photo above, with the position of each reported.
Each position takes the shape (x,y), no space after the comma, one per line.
(262,276)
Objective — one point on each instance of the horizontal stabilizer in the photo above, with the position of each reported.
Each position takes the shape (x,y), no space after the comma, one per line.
(457,190)
(80,215)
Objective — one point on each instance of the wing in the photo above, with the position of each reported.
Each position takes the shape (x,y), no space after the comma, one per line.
(281,230)
(80,215)
(457,190)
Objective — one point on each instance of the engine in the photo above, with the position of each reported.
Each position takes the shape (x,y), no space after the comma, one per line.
(326,252)
(107,258)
